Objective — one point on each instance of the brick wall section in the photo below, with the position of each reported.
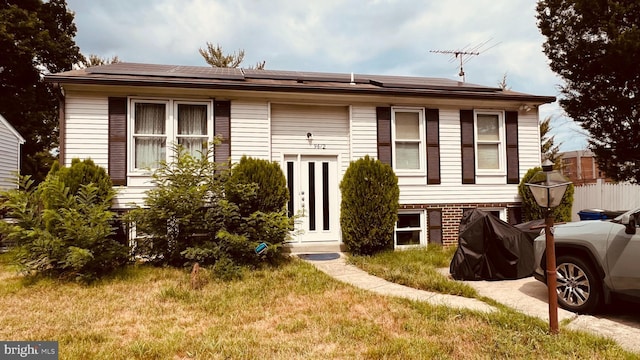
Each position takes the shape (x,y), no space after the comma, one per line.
(452,214)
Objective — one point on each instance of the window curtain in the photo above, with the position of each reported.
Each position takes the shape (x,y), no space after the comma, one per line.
(488,139)
(150,121)
(407,126)
(192,128)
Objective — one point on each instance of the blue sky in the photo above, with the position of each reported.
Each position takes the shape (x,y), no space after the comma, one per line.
(392,37)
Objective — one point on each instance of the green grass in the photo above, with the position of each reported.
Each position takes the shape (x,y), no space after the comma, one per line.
(415,268)
(290,312)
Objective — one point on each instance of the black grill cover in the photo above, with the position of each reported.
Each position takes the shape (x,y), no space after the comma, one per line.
(491,249)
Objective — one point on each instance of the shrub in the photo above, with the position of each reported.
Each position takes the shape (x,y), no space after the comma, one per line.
(64,233)
(271,194)
(82,173)
(176,213)
(202,212)
(369,208)
(531,210)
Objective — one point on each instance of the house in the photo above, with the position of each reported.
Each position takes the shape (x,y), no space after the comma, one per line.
(453,145)
(580,167)
(10,141)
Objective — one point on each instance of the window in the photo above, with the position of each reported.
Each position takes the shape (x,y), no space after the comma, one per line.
(149,134)
(408,140)
(409,229)
(158,124)
(490,151)
(192,128)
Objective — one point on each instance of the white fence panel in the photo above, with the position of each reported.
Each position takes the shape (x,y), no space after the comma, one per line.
(605,196)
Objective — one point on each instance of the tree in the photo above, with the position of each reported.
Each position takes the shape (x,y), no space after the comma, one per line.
(547,147)
(215,57)
(502,84)
(95,60)
(36,38)
(594,46)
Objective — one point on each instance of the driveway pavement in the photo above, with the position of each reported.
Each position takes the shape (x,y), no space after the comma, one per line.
(620,322)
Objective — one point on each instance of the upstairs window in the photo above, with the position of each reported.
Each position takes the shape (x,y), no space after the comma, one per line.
(490,150)
(158,124)
(408,140)
(192,128)
(149,134)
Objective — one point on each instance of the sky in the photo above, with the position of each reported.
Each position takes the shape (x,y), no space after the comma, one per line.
(383,37)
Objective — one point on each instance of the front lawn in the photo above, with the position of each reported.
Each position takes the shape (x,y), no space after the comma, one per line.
(416,268)
(291,312)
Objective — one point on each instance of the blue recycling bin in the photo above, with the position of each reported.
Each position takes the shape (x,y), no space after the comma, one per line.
(592,214)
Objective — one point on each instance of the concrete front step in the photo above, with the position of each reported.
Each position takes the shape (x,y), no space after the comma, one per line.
(309,248)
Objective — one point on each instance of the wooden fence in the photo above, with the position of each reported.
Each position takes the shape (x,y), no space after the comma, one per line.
(605,196)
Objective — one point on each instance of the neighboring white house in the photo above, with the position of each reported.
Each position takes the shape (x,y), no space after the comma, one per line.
(453,145)
(10,141)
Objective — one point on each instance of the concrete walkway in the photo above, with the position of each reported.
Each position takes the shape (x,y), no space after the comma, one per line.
(524,295)
(334,265)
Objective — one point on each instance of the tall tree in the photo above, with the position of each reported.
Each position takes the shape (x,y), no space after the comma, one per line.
(594,46)
(548,148)
(215,57)
(36,37)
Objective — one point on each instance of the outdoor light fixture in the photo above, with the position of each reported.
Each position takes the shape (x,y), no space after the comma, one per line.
(309,135)
(548,188)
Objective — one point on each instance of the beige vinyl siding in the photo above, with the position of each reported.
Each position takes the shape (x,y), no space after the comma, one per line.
(10,159)
(249,129)
(86,134)
(363,132)
(329,126)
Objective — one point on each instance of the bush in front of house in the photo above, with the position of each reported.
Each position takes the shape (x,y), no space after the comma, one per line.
(64,233)
(532,211)
(271,193)
(200,211)
(369,208)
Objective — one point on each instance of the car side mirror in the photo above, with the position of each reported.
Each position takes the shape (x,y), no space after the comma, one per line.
(629,224)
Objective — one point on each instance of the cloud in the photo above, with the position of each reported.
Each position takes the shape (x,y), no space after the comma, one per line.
(373,37)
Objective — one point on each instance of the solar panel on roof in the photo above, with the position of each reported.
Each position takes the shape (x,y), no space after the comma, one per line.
(295,75)
(198,72)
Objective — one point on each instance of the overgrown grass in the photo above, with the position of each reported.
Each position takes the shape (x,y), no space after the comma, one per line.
(416,268)
(290,312)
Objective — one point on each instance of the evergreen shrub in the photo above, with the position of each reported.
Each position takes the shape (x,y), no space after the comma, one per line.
(64,233)
(271,194)
(369,208)
(532,211)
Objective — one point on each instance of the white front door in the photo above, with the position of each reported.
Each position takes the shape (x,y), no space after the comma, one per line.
(313,189)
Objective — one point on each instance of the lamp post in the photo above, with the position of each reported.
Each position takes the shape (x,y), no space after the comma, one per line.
(548,188)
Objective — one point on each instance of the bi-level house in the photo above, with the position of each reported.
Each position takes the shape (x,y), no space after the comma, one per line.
(453,145)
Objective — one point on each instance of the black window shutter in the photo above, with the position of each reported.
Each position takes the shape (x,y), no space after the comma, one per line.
(222,128)
(433,146)
(383,116)
(435,226)
(117,161)
(513,161)
(468,150)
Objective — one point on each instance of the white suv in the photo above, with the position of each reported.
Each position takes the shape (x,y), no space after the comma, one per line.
(595,260)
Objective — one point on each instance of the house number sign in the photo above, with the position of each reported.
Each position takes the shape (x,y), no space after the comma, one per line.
(320,146)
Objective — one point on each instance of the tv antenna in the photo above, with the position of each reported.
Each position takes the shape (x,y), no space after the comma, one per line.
(464,55)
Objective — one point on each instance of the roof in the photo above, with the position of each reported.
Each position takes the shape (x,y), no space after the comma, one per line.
(11,129)
(205,77)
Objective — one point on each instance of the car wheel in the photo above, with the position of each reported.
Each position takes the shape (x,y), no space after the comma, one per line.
(579,288)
